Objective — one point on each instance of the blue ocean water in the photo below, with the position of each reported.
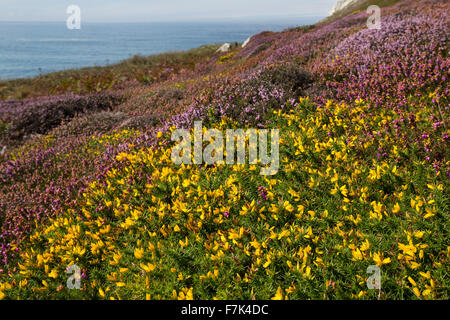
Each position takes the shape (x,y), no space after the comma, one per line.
(31,48)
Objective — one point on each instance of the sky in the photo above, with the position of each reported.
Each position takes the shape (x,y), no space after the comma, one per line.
(163,10)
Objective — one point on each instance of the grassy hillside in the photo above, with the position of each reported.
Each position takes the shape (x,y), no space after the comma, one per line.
(86,177)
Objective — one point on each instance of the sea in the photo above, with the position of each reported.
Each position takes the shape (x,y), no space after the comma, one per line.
(28,49)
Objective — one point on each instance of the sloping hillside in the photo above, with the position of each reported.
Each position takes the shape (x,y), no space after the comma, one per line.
(348,7)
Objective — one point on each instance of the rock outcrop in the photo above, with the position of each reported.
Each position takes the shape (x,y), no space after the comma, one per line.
(342,4)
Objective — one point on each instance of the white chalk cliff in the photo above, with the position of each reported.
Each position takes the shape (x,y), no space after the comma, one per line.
(342,4)
(246,42)
(224,48)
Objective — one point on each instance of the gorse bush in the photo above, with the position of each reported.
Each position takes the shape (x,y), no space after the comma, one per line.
(4,127)
(258,44)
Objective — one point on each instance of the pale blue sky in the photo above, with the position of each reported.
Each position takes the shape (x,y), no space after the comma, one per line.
(162,10)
